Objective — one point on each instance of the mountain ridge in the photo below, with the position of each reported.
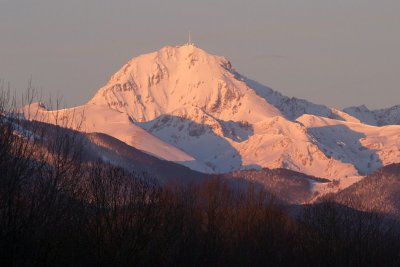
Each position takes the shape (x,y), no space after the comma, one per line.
(190,107)
(377,117)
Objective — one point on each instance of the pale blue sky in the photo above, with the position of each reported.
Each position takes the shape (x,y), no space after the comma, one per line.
(338,53)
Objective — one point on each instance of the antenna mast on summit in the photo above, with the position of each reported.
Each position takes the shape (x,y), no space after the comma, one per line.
(190,39)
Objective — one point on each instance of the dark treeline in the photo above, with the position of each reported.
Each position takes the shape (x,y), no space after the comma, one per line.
(56,209)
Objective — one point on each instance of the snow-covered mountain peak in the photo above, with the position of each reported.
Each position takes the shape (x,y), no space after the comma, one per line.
(185,105)
(183,58)
(181,77)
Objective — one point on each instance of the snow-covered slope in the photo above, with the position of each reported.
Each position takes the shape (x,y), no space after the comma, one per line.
(364,146)
(379,117)
(225,146)
(279,143)
(95,118)
(185,105)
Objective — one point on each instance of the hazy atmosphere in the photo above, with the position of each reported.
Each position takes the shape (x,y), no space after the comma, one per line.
(339,53)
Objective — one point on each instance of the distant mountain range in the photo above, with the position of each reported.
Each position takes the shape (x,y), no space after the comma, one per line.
(184,106)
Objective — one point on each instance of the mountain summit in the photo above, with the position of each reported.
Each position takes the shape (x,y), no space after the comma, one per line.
(178,79)
(185,105)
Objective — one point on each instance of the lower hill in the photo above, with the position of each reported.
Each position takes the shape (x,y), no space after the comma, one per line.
(377,192)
